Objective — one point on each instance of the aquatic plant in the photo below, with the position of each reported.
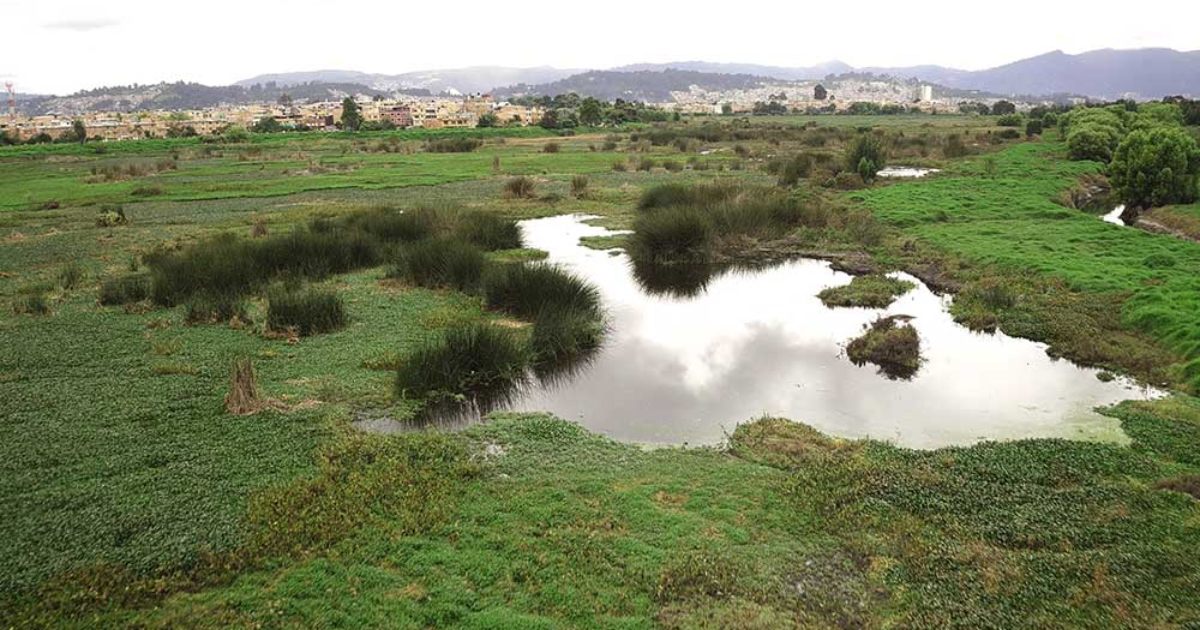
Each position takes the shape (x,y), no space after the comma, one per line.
(870,291)
(890,343)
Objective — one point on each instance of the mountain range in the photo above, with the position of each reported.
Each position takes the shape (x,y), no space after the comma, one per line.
(1147,73)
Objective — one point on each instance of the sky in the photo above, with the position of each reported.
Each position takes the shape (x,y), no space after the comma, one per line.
(66,45)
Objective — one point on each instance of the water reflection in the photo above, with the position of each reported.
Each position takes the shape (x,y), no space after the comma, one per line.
(692,352)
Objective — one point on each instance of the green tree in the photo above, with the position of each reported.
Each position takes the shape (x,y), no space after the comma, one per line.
(1033,128)
(488,119)
(1092,142)
(866,147)
(867,169)
(267,124)
(590,112)
(1000,108)
(549,119)
(79,130)
(726,109)
(1155,167)
(351,117)
(820,93)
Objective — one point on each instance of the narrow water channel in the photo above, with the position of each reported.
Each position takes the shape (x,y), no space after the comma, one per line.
(691,354)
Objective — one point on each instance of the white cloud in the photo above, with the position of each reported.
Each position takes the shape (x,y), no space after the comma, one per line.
(80,25)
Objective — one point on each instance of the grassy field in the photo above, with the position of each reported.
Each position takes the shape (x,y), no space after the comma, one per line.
(130,497)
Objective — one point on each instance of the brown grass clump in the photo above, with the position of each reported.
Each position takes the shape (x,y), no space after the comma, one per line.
(243,397)
(1187,484)
(259,228)
(890,343)
(520,187)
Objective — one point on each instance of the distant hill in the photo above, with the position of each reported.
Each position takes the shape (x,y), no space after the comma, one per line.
(818,71)
(637,85)
(456,80)
(187,96)
(1149,73)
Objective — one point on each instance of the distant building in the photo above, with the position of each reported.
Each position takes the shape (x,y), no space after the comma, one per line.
(400,115)
(926,93)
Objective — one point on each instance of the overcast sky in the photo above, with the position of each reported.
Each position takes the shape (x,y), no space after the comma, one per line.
(61,46)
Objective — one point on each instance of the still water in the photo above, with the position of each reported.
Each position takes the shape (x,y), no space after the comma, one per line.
(687,368)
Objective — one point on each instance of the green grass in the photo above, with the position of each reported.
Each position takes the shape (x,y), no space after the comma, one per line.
(1010,221)
(871,291)
(131,498)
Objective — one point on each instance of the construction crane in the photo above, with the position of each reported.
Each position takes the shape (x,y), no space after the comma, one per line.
(12,100)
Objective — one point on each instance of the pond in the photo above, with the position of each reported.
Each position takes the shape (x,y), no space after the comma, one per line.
(694,351)
(905,172)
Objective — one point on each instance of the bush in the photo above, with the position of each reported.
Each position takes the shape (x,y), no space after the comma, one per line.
(125,289)
(111,216)
(1033,128)
(579,186)
(645,164)
(954,147)
(1009,134)
(478,360)
(304,311)
(619,166)
(792,170)
(890,343)
(1010,120)
(207,308)
(440,263)
(453,145)
(520,187)
(673,166)
(530,289)
(550,147)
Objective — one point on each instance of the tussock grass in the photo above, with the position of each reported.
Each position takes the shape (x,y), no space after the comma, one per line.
(520,187)
(31,303)
(206,308)
(487,231)
(125,289)
(680,194)
(530,289)
(480,361)
(440,263)
(561,335)
(307,311)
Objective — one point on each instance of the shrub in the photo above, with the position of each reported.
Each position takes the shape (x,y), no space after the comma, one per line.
(619,166)
(125,289)
(207,308)
(645,164)
(307,312)
(1010,120)
(609,145)
(520,187)
(673,166)
(954,147)
(1033,128)
(529,289)
(111,216)
(146,191)
(453,145)
(550,147)
(890,343)
(792,170)
(479,361)
(579,186)
(1009,134)
(440,263)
